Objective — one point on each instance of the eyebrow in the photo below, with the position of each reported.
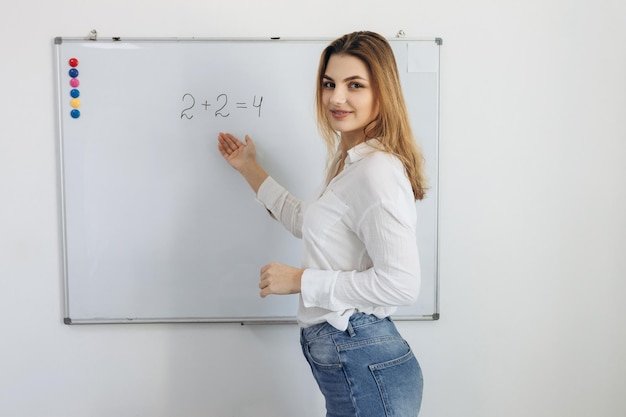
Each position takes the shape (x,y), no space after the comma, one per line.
(352,78)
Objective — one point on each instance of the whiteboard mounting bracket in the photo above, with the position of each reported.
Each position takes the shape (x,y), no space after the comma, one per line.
(92,36)
(400,34)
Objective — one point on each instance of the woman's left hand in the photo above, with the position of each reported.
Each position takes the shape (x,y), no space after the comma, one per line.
(280,279)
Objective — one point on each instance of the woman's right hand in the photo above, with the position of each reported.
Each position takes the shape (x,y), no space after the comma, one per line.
(242,157)
(235,152)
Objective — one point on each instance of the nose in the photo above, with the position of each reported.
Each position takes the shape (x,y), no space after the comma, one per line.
(338,96)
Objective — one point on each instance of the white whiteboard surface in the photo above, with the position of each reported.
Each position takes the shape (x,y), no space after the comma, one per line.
(156,226)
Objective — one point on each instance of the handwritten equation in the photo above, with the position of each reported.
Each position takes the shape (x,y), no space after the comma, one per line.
(222,106)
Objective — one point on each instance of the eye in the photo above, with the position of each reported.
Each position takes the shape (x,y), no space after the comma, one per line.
(328,84)
(356,85)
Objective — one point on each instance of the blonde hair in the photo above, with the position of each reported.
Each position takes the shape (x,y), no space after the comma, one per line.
(391,127)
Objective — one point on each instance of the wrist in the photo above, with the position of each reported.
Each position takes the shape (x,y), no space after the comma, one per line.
(254,174)
(297,282)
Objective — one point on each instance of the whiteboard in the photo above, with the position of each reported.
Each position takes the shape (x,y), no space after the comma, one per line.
(156,226)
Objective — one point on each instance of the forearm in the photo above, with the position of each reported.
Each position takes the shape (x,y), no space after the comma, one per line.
(254,174)
(341,290)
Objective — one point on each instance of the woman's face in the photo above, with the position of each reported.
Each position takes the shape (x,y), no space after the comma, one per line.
(348,97)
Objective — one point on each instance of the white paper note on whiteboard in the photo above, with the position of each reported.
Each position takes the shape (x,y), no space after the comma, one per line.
(423,57)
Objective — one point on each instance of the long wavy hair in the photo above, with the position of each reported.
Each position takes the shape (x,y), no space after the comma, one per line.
(391,126)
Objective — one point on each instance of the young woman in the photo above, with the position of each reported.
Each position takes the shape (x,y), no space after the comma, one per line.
(360,257)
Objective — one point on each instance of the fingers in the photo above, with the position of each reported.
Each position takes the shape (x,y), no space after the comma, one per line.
(264,284)
(224,150)
(228,143)
(265,281)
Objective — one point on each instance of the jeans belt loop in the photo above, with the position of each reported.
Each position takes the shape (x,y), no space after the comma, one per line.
(350,330)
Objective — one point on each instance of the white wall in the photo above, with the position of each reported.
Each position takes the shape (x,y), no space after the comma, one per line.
(533,230)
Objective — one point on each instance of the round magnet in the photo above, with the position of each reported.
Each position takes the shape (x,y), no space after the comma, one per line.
(74,82)
(73,73)
(73,62)
(75,114)
(75,93)
(75,103)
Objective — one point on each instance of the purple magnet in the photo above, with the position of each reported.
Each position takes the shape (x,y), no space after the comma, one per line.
(74,82)
(73,62)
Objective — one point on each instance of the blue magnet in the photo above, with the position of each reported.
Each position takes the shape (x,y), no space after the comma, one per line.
(73,73)
(75,114)
(75,93)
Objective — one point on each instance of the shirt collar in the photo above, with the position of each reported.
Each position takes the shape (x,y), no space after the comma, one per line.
(361,150)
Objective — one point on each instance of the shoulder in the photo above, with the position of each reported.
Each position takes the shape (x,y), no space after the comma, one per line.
(385,161)
(381,190)
(382,169)
(371,155)
(378,177)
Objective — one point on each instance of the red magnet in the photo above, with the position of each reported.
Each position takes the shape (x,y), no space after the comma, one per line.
(73,62)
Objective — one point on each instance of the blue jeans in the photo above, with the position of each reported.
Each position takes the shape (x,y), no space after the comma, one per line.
(368,370)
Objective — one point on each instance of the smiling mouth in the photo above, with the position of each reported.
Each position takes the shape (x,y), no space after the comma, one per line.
(339,114)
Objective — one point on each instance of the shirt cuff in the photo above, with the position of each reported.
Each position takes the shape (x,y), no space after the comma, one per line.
(269,192)
(317,288)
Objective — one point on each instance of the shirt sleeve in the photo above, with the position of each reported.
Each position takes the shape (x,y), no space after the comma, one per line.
(387,229)
(281,205)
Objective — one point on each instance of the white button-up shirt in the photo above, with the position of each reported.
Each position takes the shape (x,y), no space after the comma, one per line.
(359,239)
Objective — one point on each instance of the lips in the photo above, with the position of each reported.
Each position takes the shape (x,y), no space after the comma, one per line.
(340,114)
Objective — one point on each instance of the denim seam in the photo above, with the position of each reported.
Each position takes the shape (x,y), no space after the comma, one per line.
(369,323)
(346,346)
(331,333)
